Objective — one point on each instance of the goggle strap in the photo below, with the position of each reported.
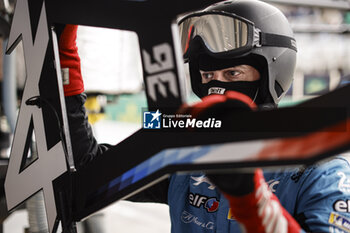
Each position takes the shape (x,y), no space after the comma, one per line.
(267,39)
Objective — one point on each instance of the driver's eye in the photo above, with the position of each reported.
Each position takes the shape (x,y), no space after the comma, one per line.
(207,75)
(233,72)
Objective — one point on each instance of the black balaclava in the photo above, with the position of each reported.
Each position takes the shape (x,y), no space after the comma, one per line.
(256,90)
(250,89)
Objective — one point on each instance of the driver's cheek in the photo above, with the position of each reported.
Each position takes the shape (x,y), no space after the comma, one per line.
(254,75)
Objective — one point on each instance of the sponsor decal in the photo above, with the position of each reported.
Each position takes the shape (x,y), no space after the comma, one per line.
(344,182)
(211,204)
(339,221)
(202,179)
(189,218)
(272,184)
(296,176)
(159,67)
(335,230)
(342,206)
(65,76)
(216,90)
(230,215)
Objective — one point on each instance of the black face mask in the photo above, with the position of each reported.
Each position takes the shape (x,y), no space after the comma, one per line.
(250,89)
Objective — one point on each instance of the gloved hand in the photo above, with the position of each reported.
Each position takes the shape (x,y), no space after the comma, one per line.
(219,106)
(223,107)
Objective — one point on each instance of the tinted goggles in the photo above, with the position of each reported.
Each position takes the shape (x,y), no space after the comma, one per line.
(227,33)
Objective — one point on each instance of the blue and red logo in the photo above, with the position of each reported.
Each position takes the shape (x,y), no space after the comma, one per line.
(211,204)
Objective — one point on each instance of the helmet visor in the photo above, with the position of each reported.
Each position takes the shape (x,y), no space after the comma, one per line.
(219,32)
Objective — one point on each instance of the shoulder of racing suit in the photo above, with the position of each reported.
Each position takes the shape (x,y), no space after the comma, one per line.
(318,196)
